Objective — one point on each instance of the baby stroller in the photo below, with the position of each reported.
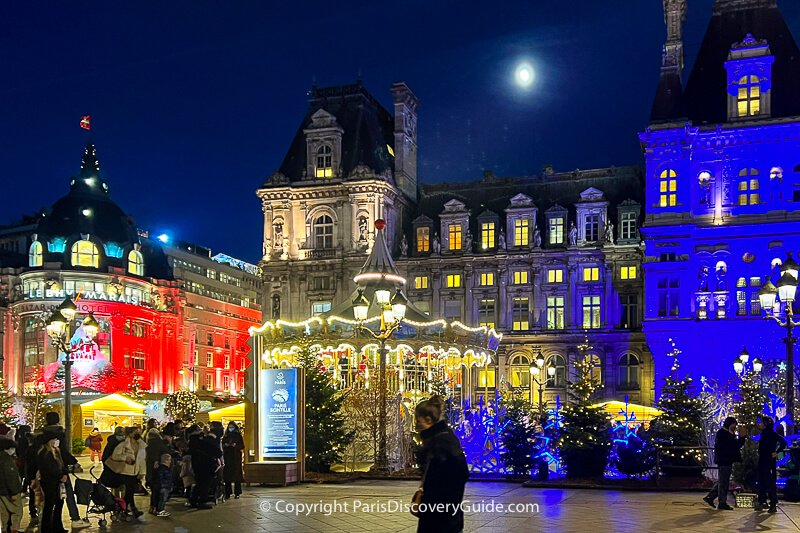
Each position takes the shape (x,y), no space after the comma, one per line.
(99,500)
(218,489)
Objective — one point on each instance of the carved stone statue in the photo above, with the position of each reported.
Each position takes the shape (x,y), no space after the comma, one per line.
(404,246)
(437,244)
(267,248)
(363,228)
(501,240)
(277,230)
(609,236)
(722,284)
(537,236)
(276,306)
(468,242)
(573,235)
(702,279)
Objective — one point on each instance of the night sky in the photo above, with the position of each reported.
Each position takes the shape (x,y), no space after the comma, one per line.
(194,103)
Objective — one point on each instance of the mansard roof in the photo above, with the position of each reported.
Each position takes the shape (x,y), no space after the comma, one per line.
(368,131)
(705,93)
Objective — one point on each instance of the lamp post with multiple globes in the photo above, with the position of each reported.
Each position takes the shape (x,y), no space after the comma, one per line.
(60,330)
(539,373)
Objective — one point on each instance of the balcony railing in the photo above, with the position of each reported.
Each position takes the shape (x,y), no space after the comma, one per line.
(325,253)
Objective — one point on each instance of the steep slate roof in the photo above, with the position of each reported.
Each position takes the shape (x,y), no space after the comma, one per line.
(669,103)
(732,20)
(368,129)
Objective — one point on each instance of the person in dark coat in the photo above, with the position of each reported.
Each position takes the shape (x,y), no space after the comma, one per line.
(445,471)
(770,444)
(157,445)
(52,430)
(53,477)
(108,477)
(203,453)
(232,448)
(727,450)
(10,487)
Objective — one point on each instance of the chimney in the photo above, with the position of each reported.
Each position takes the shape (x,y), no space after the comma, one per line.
(405,139)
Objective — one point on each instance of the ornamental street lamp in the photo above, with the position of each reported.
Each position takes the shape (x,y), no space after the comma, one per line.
(59,328)
(537,369)
(740,363)
(769,295)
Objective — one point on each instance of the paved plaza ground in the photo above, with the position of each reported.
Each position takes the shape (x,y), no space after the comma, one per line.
(580,511)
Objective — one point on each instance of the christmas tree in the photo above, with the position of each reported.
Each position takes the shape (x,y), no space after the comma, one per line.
(678,431)
(182,405)
(517,433)
(326,436)
(6,405)
(748,408)
(584,441)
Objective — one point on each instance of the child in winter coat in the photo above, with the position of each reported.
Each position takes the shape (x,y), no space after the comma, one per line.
(164,483)
(187,476)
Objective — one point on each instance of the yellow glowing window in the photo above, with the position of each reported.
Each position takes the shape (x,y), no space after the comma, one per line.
(668,188)
(423,240)
(591,312)
(520,314)
(487,279)
(486,312)
(324,167)
(555,275)
(487,235)
(35,254)
(135,263)
(748,100)
(453,281)
(591,274)
(454,237)
(421,282)
(486,378)
(85,254)
(627,272)
(521,229)
(748,187)
(520,277)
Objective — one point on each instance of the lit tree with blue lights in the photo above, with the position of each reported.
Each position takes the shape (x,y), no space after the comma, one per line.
(518,433)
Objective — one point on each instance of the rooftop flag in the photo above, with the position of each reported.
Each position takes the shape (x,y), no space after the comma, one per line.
(86,122)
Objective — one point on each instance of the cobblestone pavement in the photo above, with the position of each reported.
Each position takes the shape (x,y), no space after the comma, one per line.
(580,511)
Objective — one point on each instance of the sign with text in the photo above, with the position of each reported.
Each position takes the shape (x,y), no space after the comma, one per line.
(278,412)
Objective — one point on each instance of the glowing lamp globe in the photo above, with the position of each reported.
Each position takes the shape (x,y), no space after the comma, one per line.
(399,305)
(382,296)
(757,365)
(540,360)
(68,308)
(787,287)
(551,371)
(57,324)
(738,366)
(744,356)
(524,75)
(360,307)
(90,326)
(767,295)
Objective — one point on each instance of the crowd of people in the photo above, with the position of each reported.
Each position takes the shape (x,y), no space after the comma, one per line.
(198,462)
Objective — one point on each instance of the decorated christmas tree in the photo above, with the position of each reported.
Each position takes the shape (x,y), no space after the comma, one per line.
(326,435)
(678,431)
(748,408)
(182,405)
(6,405)
(518,433)
(584,442)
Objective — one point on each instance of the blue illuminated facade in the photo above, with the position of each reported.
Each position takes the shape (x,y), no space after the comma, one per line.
(722,193)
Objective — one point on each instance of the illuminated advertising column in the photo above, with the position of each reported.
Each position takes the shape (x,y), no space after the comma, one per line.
(278,414)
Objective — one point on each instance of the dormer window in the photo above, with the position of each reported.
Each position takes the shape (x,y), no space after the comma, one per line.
(136,263)
(85,254)
(521,231)
(423,240)
(35,254)
(749,96)
(749,68)
(592,227)
(324,168)
(556,218)
(488,235)
(454,237)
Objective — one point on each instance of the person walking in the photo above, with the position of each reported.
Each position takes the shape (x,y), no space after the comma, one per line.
(95,444)
(445,471)
(54,429)
(52,479)
(232,448)
(770,444)
(727,450)
(10,487)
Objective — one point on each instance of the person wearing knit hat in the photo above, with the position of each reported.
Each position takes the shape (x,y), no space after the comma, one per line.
(7,432)
(727,450)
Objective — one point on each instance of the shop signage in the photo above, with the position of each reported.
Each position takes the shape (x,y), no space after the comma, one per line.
(278,408)
(37,294)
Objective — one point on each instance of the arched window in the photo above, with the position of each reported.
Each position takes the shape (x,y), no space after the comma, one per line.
(749,97)
(668,188)
(35,254)
(323,232)
(748,186)
(628,372)
(520,367)
(597,368)
(136,263)
(559,379)
(324,167)
(85,254)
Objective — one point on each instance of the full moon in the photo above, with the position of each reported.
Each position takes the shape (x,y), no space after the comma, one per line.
(524,75)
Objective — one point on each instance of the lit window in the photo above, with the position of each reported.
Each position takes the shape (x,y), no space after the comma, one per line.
(324,162)
(628,223)
(35,254)
(487,279)
(559,379)
(749,96)
(592,228)
(487,235)
(423,240)
(421,282)
(591,312)
(520,277)
(85,254)
(555,230)
(591,274)
(226,382)
(668,188)
(323,232)
(454,237)
(227,361)
(486,378)
(748,186)
(521,228)
(555,312)
(520,314)
(555,275)
(486,313)
(209,382)
(453,281)
(627,272)
(317,308)
(135,263)
(209,359)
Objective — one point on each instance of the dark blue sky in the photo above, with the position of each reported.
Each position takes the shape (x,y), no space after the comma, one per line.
(194,103)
